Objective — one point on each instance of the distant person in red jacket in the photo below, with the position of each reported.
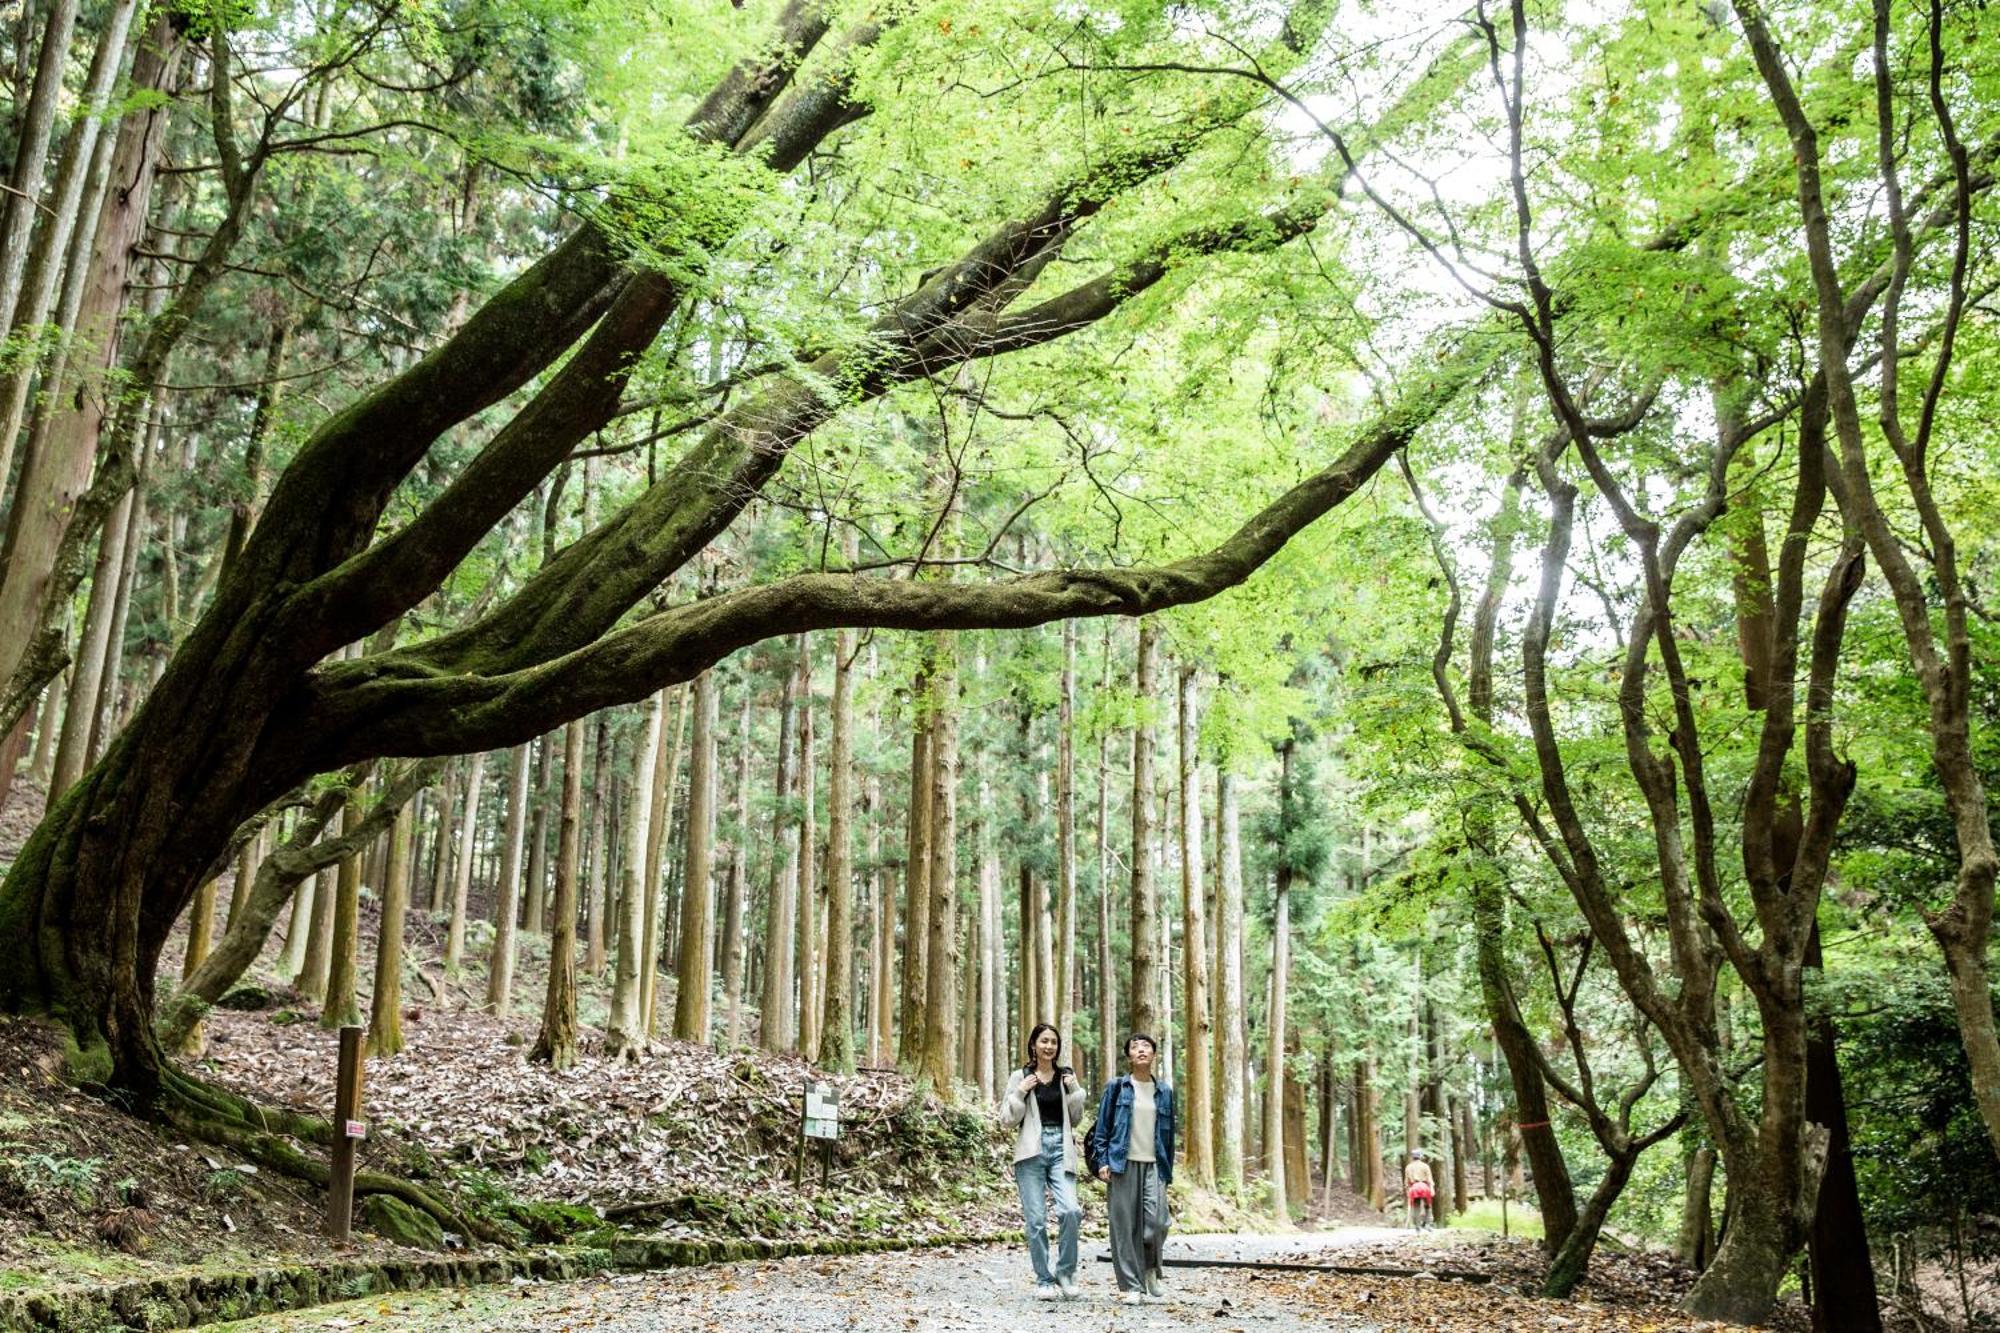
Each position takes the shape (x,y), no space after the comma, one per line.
(1419,1189)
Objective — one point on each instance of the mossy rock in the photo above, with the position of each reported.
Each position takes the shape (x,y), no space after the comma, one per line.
(548,1220)
(250,999)
(392,1219)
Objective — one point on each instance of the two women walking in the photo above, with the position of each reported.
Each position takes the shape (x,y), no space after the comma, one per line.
(1132,1145)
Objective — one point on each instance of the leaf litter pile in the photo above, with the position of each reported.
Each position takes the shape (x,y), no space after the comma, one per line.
(689,1142)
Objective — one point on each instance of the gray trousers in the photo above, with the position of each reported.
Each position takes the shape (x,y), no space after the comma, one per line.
(1139,1221)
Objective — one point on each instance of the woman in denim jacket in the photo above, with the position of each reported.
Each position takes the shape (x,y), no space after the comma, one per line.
(1133,1143)
(1044,1100)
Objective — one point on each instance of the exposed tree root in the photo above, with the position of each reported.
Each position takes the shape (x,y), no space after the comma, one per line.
(207,1112)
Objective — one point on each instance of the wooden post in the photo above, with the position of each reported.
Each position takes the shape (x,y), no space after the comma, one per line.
(346,1120)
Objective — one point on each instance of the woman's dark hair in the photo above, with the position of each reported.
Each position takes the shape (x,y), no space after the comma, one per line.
(1140,1036)
(1035,1035)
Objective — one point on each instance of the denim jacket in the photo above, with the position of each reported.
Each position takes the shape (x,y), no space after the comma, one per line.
(1111,1134)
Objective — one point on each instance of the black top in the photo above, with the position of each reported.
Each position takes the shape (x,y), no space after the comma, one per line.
(1049,1101)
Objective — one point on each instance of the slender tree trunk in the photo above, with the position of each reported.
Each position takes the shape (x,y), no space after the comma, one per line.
(805,953)
(341,1008)
(556,1043)
(500,962)
(1371,1143)
(992,1057)
(773,1030)
(1145,985)
(201,929)
(882,949)
(1235,1056)
(534,909)
(1696,1244)
(444,843)
(1107,963)
(247,857)
(625,1035)
(658,835)
(1194,952)
(293,957)
(1065,941)
(1274,1034)
(385,1011)
(597,887)
(836,1050)
(86,680)
(461,879)
(738,902)
(941,966)
(694,972)
(313,972)
(916,875)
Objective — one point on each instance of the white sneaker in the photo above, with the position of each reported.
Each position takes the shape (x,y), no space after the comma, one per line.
(1045,1291)
(1155,1293)
(1067,1285)
(1130,1298)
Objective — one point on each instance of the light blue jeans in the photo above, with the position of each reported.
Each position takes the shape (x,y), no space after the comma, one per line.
(1037,1178)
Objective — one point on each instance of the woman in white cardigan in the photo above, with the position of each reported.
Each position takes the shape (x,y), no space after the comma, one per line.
(1044,1099)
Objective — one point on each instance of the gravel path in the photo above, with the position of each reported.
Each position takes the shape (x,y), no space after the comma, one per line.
(973,1290)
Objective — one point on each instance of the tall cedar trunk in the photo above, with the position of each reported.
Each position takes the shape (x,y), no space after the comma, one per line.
(775,1003)
(461,878)
(694,972)
(624,1034)
(882,948)
(658,833)
(994,1053)
(556,1043)
(736,906)
(500,960)
(68,227)
(1230,1157)
(293,956)
(1065,928)
(343,943)
(1144,997)
(1298,1170)
(312,975)
(836,1047)
(805,924)
(916,876)
(535,897)
(201,928)
(444,843)
(1462,1151)
(1274,1024)
(597,884)
(57,470)
(86,677)
(1194,953)
(31,157)
(1107,963)
(1371,1142)
(941,951)
(1434,1107)
(385,1009)
(1843,1273)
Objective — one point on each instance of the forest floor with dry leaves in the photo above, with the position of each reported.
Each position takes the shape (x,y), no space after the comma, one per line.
(988,1289)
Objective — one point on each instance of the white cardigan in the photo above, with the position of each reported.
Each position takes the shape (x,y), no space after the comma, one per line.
(1016,1109)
